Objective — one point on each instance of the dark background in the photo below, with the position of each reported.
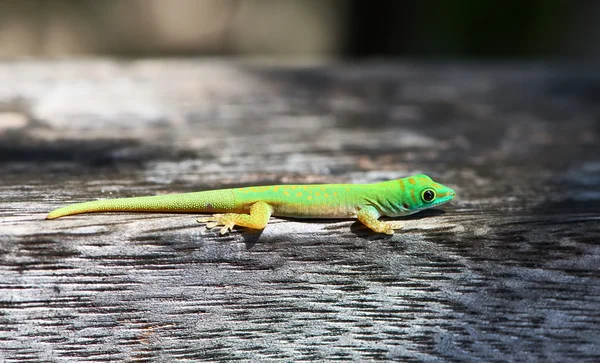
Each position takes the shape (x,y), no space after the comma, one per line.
(308,29)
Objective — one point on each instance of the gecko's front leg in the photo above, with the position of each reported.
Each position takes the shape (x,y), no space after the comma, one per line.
(259,215)
(369,216)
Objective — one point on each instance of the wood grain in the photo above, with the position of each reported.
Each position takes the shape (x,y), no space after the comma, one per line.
(508,272)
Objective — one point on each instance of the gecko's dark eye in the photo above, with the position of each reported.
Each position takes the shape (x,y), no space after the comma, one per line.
(428,195)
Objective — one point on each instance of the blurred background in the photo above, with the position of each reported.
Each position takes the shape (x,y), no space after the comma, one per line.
(300,28)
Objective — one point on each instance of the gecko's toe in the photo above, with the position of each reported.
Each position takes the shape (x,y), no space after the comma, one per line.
(217,220)
(395,225)
(225,230)
(211,221)
(228,227)
(211,225)
(386,230)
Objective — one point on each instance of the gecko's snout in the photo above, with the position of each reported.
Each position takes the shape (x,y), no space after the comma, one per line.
(451,194)
(447,195)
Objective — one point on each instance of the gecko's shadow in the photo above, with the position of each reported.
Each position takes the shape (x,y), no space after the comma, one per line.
(422,214)
(362,231)
(251,236)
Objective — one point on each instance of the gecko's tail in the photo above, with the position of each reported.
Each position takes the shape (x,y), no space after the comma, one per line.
(207,201)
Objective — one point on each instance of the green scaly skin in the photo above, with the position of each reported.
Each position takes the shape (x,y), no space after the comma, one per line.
(253,206)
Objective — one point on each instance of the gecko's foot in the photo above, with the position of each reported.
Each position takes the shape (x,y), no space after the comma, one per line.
(394,225)
(218,220)
(389,227)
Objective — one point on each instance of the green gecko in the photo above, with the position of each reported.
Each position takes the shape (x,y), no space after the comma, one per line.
(253,206)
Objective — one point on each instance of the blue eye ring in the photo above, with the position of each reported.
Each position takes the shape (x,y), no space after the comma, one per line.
(428,195)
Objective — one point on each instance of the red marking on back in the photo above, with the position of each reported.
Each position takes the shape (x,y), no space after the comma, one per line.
(412,181)
(401,182)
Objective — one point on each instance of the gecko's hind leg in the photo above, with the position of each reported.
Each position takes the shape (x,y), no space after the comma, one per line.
(259,215)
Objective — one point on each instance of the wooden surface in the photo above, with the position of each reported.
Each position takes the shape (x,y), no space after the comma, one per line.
(508,272)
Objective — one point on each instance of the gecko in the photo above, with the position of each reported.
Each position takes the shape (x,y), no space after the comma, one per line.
(252,207)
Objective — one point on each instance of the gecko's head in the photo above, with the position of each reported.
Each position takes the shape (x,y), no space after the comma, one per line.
(422,193)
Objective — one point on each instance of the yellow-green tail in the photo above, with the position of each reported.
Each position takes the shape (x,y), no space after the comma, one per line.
(206,201)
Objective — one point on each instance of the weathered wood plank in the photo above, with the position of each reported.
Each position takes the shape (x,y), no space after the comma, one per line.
(510,271)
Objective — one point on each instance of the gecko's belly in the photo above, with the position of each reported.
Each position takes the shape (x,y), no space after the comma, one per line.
(314,211)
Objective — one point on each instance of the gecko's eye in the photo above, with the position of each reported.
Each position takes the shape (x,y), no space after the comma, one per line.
(428,195)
